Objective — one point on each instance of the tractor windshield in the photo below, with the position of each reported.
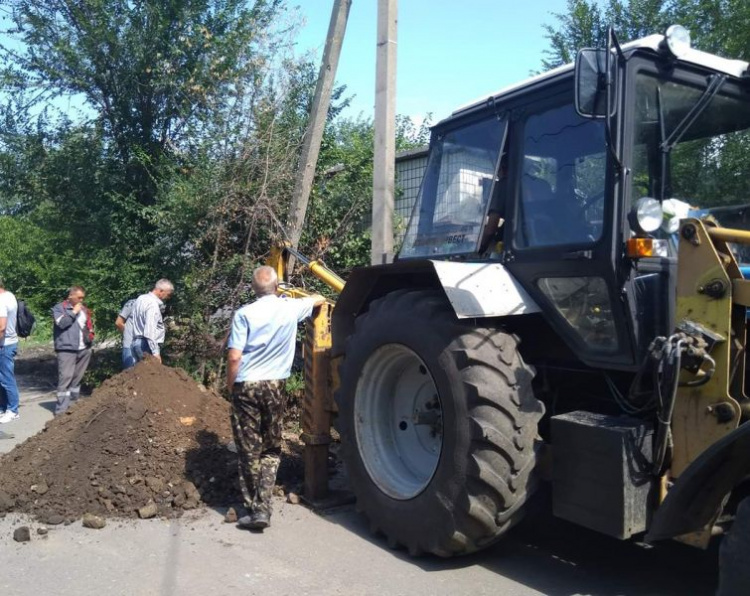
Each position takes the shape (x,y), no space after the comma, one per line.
(691,139)
(450,211)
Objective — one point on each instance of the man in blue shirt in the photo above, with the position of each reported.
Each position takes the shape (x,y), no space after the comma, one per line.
(260,355)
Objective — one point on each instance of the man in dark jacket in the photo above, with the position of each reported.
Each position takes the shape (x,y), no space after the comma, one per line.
(73,334)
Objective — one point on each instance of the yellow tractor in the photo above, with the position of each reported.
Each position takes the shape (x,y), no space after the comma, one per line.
(559,311)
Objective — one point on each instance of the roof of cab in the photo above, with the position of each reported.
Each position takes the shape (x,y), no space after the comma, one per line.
(734,68)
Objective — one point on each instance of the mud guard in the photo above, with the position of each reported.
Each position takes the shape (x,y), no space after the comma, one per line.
(695,499)
(474,290)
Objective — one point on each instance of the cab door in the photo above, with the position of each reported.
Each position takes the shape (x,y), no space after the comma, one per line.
(561,241)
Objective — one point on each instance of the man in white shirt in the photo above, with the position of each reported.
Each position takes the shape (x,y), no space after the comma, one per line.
(148,325)
(260,355)
(9,397)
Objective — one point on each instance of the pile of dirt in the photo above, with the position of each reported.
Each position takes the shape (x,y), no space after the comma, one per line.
(150,437)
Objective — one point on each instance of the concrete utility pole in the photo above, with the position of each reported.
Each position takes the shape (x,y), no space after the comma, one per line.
(314,134)
(385,134)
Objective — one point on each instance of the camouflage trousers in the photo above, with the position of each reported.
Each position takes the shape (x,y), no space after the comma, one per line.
(257,417)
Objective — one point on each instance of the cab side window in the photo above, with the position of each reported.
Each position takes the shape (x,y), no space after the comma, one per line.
(562,184)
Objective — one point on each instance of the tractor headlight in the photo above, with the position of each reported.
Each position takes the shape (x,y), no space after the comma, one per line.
(677,40)
(647,215)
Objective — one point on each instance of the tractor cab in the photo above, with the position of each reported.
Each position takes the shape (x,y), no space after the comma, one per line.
(556,188)
(576,180)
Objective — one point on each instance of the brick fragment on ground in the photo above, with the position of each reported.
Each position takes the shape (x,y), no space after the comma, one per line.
(292,498)
(95,522)
(148,511)
(22,534)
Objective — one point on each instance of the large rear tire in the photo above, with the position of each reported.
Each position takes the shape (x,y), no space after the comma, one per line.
(438,424)
(734,555)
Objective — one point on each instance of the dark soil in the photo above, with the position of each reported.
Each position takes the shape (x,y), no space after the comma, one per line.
(148,435)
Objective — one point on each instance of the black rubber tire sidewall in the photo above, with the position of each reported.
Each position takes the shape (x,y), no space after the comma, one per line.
(417,515)
(734,555)
(439,519)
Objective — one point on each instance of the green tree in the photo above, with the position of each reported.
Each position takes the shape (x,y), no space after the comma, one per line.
(581,26)
(155,83)
(585,25)
(150,71)
(718,26)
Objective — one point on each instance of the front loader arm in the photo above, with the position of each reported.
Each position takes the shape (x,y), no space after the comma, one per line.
(710,402)
(708,279)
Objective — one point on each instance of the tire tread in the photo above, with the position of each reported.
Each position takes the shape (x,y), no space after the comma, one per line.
(487,359)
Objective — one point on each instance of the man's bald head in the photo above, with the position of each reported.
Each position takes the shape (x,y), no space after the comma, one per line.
(265,281)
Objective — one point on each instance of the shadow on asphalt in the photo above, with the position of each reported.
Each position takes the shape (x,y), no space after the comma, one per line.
(38,362)
(561,559)
(49,405)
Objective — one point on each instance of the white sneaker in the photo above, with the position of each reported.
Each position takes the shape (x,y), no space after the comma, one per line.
(8,417)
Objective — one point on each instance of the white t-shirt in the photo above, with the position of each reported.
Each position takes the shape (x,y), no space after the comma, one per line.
(9,309)
(81,319)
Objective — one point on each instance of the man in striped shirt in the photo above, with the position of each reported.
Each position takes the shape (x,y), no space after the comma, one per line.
(148,325)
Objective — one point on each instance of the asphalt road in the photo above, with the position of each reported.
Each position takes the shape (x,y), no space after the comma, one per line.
(306,553)
(330,553)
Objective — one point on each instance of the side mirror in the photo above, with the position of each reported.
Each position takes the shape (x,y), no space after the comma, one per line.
(592,82)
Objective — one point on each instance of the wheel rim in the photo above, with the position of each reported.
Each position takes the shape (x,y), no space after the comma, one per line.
(398,421)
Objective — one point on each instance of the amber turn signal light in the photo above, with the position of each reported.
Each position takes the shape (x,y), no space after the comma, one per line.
(638,248)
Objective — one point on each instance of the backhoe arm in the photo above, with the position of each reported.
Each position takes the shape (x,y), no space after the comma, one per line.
(278,260)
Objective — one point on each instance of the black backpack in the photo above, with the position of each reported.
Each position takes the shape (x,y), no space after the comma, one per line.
(24,320)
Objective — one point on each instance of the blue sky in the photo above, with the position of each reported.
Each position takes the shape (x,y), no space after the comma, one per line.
(449,53)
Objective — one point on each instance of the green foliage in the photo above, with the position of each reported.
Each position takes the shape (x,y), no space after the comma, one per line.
(149,69)
(580,27)
(341,202)
(721,162)
(585,24)
(295,384)
(718,26)
(706,172)
(180,163)
(96,202)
